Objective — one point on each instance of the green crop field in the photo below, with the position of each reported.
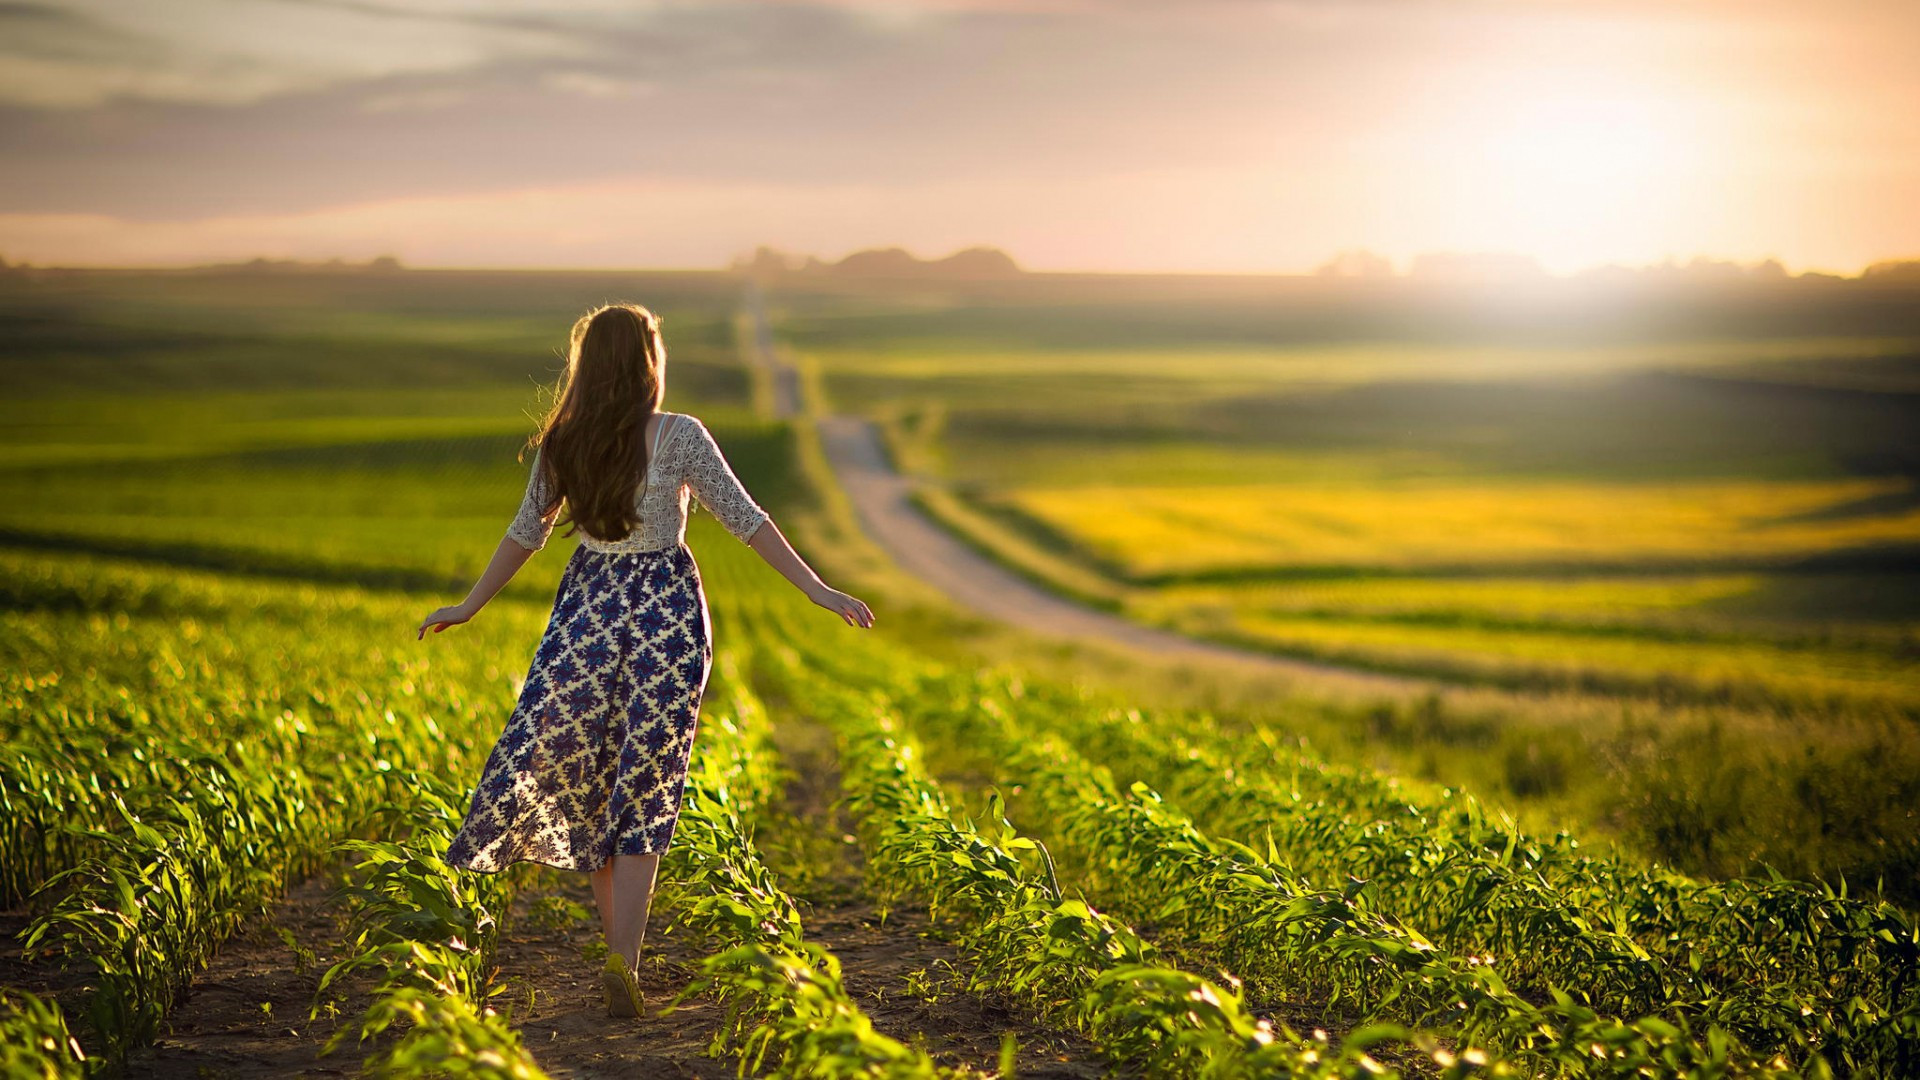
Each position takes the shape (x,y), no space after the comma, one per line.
(1656,554)
(929,849)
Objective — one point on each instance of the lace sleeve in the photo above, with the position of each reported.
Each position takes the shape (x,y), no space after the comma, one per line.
(716,487)
(530,528)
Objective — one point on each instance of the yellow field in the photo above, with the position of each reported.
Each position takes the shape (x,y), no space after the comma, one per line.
(1172,530)
(1590,600)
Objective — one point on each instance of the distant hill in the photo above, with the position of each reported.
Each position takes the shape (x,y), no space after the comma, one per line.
(384,264)
(972,263)
(1894,272)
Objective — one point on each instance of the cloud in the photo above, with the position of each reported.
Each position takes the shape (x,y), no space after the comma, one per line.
(423,99)
(725,94)
(75,54)
(79,53)
(593,85)
(72,54)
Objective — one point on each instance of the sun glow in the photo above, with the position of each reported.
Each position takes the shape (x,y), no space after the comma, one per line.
(1573,164)
(1575,179)
(1586,149)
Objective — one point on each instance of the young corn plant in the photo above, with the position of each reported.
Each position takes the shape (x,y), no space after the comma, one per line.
(162,890)
(1054,956)
(429,931)
(1473,864)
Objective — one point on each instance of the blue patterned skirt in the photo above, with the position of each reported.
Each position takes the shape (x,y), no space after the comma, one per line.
(594,758)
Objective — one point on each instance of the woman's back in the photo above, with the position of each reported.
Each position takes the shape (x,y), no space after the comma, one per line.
(683,459)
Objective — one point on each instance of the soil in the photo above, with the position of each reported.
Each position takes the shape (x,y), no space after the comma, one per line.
(42,977)
(247,1013)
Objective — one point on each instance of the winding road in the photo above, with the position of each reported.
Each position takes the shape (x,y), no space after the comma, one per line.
(881,498)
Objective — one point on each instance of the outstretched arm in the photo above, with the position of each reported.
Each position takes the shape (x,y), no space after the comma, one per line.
(721,492)
(507,560)
(772,545)
(528,534)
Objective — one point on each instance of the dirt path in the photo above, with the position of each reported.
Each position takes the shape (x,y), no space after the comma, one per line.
(247,1016)
(553,987)
(904,974)
(784,379)
(247,1013)
(880,496)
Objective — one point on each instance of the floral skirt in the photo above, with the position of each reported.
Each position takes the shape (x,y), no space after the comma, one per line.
(594,758)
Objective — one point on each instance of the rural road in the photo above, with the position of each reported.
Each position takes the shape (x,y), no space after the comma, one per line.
(880,497)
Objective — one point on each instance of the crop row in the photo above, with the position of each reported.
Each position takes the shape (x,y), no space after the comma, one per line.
(1056,957)
(1285,935)
(1785,967)
(1781,964)
(122,686)
(787,1007)
(430,931)
(148,908)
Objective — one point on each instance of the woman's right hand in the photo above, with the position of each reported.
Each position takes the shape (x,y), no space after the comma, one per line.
(849,608)
(444,617)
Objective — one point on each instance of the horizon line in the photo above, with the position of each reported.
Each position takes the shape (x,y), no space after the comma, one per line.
(1538,273)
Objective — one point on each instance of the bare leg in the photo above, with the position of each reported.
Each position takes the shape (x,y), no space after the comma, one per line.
(603,897)
(632,888)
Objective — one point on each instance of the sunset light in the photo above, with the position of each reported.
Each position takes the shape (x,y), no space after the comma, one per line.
(960,539)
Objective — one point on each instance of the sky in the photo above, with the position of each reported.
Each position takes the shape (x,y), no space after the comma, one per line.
(1109,135)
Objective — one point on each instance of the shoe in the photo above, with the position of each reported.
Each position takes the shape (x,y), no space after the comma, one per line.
(624,998)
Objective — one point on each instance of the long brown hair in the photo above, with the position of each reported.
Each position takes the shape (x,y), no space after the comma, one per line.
(592,445)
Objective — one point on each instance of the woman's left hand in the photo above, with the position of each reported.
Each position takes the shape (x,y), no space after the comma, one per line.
(443,618)
(847,607)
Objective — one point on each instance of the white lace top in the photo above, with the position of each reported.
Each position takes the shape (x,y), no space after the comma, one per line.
(684,458)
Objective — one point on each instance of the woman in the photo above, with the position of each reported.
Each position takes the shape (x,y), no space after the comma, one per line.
(589,771)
